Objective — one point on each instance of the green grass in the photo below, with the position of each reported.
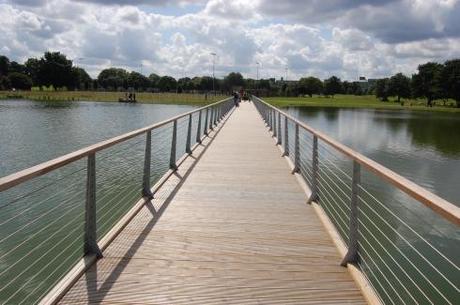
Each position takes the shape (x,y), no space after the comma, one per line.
(363,101)
(143,97)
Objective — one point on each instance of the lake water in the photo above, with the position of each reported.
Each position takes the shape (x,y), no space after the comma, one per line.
(34,132)
(410,254)
(44,217)
(41,221)
(421,146)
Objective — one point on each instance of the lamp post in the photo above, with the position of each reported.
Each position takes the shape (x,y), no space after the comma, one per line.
(213,76)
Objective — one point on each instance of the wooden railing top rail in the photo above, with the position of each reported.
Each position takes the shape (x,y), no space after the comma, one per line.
(48,166)
(441,206)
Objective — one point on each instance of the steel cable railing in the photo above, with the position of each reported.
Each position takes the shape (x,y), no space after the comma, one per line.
(55,213)
(403,239)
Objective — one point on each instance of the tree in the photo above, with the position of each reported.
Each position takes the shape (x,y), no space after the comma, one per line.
(332,86)
(5,83)
(399,86)
(4,65)
(138,81)
(167,84)
(426,83)
(450,78)
(264,84)
(55,70)
(310,85)
(233,79)
(154,78)
(16,67)
(381,89)
(113,78)
(206,83)
(32,66)
(20,81)
(186,84)
(81,78)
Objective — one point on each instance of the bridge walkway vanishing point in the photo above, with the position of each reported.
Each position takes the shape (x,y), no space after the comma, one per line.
(230,227)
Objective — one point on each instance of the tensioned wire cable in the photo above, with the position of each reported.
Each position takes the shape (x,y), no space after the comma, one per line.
(408,243)
(363,237)
(405,256)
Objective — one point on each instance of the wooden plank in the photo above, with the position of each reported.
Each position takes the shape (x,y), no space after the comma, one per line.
(234,230)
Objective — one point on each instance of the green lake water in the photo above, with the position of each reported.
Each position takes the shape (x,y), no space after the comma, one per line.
(45,215)
(410,253)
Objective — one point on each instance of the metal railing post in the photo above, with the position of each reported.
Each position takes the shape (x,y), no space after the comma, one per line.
(146,192)
(352,254)
(279,139)
(286,137)
(205,128)
(270,119)
(172,159)
(188,148)
(211,119)
(91,246)
(315,171)
(297,150)
(198,128)
(274,123)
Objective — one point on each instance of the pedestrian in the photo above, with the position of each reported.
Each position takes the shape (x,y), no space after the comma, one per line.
(235,99)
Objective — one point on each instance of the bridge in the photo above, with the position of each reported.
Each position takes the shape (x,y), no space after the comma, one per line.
(223,205)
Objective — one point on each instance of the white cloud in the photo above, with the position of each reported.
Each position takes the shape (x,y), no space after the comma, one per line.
(345,38)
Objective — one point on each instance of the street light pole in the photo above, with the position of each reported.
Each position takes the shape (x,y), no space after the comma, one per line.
(213,76)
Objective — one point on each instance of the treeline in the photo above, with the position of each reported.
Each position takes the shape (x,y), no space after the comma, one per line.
(433,81)
(54,70)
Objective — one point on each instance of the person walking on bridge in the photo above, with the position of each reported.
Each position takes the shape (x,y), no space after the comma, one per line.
(235,99)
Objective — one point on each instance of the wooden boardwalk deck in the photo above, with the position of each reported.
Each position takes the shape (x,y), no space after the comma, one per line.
(231,227)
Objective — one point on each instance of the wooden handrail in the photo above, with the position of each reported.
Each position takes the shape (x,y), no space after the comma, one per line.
(48,166)
(441,206)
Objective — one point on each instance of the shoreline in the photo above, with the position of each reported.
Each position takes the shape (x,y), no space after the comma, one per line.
(113,97)
(339,101)
(355,102)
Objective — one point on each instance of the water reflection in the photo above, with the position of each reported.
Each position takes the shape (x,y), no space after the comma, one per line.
(422,146)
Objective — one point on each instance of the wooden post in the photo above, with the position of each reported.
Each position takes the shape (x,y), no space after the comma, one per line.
(172,159)
(286,137)
(188,148)
(91,246)
(297,150)
(146,192)
(198,128)
(315,171)
(352,254)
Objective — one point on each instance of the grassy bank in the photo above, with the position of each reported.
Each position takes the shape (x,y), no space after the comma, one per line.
(144,97)
(365,101)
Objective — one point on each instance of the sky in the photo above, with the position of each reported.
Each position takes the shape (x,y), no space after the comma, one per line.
(293,38)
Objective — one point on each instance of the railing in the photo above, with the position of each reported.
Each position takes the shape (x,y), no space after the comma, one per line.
(403,238)
(55,213)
